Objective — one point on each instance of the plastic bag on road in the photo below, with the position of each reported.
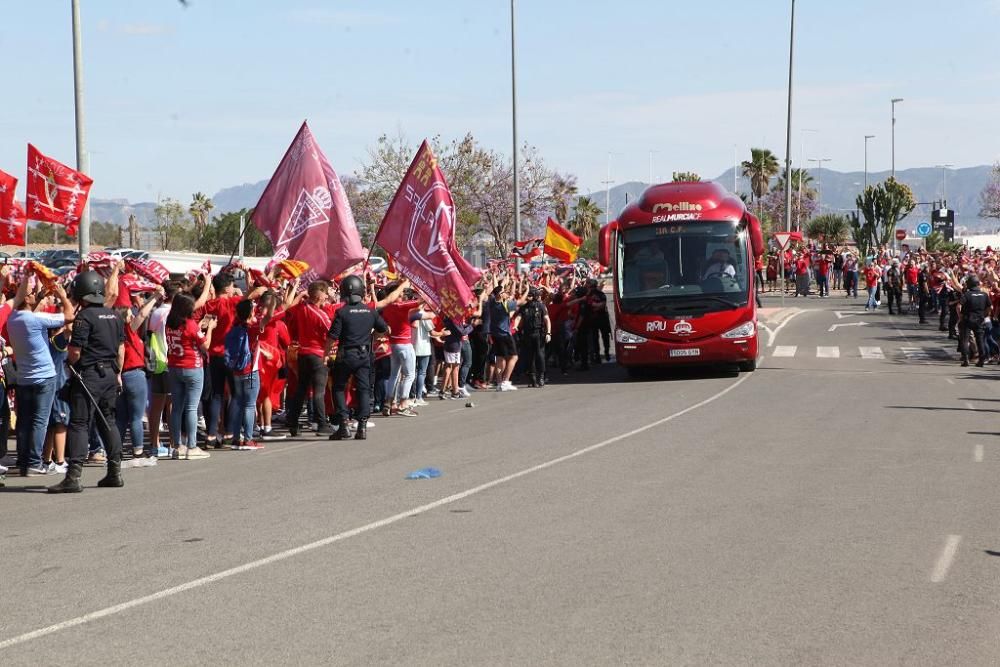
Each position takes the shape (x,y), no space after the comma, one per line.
(424,473)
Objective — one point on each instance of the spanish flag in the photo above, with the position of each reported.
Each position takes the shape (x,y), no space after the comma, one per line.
(560,242)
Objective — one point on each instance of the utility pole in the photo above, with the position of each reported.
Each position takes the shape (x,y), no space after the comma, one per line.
(82,161)
(513,101)
(867,137)
(788,145)
(819,181)
(895,100)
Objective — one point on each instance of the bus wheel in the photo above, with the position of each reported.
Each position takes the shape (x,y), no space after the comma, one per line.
(748,366)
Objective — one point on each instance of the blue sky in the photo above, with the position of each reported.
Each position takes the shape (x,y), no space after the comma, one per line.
(180,100)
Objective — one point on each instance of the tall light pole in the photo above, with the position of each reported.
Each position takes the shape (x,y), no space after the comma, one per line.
(788,128)
(802,161)
(819,181)
(895,100)
(867,137)
(513,106)
(82,161)
(607,193)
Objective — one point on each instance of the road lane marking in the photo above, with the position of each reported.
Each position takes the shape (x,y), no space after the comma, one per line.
(785,351)
(354,532)
(770,333)
(978,454)
(781,326)
(828,352)
(970,406)
(944,561)
(871,353)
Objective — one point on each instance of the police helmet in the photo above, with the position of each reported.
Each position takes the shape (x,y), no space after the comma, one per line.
(352,288)
(972,282)
(88,287)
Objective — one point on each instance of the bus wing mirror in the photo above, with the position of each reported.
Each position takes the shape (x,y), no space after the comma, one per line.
(604,243)
(756,235)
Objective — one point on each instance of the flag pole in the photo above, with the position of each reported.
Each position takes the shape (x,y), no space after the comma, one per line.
(239,240)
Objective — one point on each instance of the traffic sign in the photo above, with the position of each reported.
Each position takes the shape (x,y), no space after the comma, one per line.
(924,229)
(943,220)
(900,234)
(782,238)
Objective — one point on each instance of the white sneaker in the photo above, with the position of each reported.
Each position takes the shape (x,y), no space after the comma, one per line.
(201,424)
(196,453)
(149,462)
(507,386)
(464,392)
(3,470)
(419,402)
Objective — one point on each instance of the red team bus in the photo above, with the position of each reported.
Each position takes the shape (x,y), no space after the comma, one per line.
(683,259)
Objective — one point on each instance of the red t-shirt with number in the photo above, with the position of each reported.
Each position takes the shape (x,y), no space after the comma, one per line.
(184,345)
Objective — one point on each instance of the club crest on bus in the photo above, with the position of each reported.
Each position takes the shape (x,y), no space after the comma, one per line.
(683,328)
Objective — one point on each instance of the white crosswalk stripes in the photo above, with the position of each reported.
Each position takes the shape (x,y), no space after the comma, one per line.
(911,353)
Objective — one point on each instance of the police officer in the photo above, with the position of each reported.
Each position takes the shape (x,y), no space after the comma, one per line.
(352,329)
(96,355)
(535,329)
(923,293)
(974,308)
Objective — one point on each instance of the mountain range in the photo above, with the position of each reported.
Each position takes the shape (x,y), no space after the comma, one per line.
(837,192)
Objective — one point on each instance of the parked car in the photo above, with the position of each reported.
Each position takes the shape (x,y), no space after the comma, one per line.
(4,255)
(139,255)
(377,264)
(26,254)
(55,258)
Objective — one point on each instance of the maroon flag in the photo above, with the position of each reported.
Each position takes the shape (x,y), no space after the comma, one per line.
(149,269)
(56,193)
(12,218)
(305,214)
(418,231)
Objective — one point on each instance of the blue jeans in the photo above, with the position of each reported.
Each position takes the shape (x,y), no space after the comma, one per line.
(185,392)
(245,390)
(132,405)
(463,371)
(34,404)
(421,366)
(402,372)
(871,297)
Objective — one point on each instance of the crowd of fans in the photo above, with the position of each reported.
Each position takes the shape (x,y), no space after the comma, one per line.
(961,289)
(241,357)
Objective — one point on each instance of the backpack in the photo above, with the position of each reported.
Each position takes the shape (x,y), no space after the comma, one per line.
(237,348)
(155,354)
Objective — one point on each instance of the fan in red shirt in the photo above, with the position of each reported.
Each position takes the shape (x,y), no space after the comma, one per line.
(822,276)
(802,274)
(309,323)
(274,341)
(131,404)
(185,345)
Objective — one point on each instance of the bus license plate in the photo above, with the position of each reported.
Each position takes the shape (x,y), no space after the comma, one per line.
(688,352)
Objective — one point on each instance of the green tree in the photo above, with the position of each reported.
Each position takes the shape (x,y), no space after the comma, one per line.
(585,222)
(883,205)
(564,189)
(172,225)
(221,236)
(830,227)
(686,177)
(760,169)
(200,208)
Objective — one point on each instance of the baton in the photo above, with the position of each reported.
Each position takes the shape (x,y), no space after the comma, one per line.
(93,400)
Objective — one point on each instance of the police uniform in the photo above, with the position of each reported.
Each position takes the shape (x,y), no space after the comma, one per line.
(974,305)
(99,334)
(894,288)
(532,332)
(352,328)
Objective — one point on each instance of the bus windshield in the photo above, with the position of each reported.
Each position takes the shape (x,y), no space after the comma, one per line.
(703,264)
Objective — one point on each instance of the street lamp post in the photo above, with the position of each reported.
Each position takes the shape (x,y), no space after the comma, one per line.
(82,162)
(895,100)
(819,181)
(944,173)
(513,102)
(867,137)
(788,126)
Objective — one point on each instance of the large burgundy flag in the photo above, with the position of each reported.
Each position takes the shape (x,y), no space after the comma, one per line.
(12,218)
(418,231)
(305,214)
(56,193)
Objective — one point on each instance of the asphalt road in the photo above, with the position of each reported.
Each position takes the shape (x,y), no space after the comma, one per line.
(834,507)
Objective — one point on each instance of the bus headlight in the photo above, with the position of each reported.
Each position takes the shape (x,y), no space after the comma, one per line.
(623,336)
(745,330)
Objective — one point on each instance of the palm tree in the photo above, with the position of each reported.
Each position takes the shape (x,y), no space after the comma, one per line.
(563,190)
(760,169)
(831,227)
(200,208)
(799,176)
(586,218)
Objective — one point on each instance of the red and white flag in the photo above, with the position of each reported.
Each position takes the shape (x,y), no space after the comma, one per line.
(56,193)
(418,231)
(149,269)
(12,218)
(527,249)
(305,214)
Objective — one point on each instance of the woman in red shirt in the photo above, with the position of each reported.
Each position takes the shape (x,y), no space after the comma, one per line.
(187,341)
